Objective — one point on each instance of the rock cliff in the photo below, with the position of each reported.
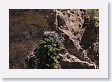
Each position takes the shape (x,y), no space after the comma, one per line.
(78,40)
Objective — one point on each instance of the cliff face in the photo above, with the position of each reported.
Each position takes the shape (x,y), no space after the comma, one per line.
(78,40)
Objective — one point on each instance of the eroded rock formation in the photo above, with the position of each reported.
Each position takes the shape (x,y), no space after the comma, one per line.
(78,41)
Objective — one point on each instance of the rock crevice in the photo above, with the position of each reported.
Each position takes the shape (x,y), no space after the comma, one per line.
(78,41)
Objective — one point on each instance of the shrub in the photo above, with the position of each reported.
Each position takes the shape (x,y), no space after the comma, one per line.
(94,17)
(47,54)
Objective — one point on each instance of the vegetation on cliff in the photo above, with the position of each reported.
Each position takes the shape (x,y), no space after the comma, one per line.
(78,38)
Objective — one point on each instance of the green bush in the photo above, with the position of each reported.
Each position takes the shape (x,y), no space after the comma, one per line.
(94,17)
(47,55)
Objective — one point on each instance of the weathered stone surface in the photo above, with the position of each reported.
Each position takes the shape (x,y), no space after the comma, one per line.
(78,43)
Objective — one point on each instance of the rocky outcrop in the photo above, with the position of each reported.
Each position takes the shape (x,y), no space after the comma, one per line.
(72,62)
(78,41)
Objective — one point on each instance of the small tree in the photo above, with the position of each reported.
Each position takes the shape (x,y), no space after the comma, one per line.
(47,55)
(94,17)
